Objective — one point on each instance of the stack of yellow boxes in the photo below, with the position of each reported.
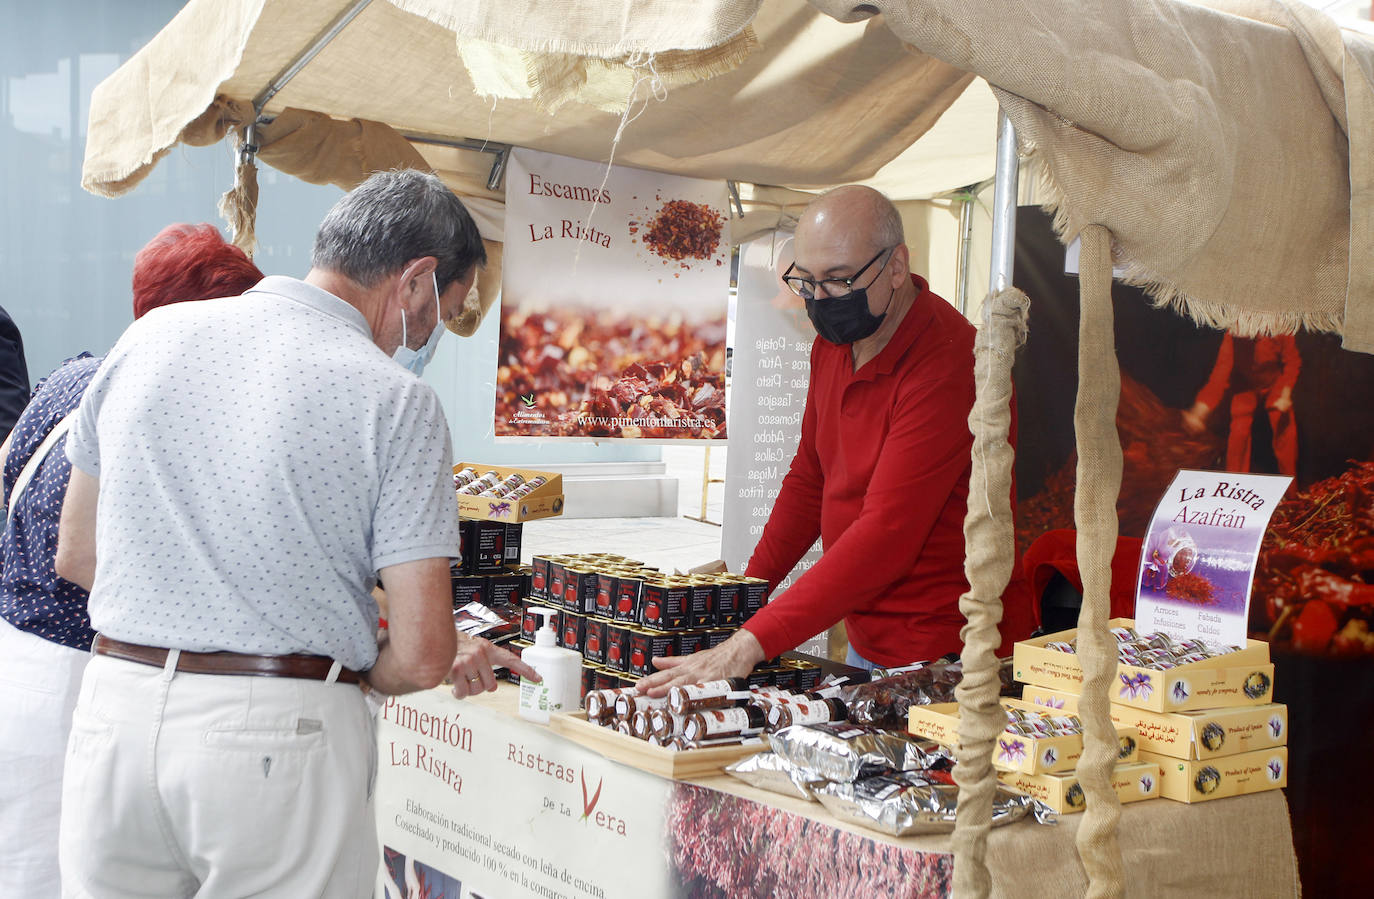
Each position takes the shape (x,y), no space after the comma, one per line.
(1207,719)
(1039,751)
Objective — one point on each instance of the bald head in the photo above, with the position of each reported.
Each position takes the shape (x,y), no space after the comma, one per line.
(860,210)
(849,244)
(844,228)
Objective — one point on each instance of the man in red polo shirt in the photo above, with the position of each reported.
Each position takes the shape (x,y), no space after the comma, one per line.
(882,470)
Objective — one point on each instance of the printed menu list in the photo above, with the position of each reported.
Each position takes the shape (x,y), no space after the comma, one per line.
(769,372)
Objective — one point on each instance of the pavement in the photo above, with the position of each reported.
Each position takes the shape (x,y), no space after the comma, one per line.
(667,543)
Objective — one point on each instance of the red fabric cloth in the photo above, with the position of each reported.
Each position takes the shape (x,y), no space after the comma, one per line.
(1056,552)
(881,475)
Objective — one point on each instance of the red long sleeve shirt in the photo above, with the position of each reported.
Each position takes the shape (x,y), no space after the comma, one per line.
(1274,364)
(881,475)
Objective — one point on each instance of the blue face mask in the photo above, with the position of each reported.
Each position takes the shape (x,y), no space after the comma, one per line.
(416,360)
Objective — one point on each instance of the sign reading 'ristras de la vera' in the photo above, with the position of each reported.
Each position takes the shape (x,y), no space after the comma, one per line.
(1198,560)
(614,290)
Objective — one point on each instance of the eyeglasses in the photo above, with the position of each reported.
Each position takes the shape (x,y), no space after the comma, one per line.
(831,287)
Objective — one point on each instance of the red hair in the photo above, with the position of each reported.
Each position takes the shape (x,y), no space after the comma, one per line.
(189,262)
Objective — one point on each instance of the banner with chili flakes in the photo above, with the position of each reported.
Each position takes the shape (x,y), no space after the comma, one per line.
(614,293)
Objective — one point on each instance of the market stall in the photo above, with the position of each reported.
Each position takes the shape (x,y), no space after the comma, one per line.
(471,792)
(1163,164)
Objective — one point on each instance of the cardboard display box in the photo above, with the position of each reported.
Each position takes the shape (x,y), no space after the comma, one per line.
(545,501)
(1240,678)
(1132,782)
(1013,752)
(1198,780)
(1200,734)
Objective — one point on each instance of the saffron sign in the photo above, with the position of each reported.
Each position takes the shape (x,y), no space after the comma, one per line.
(1198,561)
(614,290)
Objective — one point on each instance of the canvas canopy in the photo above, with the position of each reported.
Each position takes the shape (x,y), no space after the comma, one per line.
(1166,122)
(797,99)
(770,93)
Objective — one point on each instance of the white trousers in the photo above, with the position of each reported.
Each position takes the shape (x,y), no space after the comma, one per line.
(38,686)
(217,786)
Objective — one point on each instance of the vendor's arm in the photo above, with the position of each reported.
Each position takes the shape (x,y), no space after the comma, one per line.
(795,521)
(75,558)
(923,460)
(735,657)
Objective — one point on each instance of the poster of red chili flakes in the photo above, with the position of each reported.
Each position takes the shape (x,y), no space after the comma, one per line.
(614,292)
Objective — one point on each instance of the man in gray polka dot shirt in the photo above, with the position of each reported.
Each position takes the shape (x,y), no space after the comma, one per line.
(244,471)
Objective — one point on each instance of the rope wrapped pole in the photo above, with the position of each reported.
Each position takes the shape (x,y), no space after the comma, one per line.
(989,542)
(1094,512)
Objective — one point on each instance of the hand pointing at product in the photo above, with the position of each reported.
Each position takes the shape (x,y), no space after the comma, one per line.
(472,666)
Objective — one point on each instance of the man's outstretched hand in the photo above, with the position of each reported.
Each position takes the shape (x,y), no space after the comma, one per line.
(735,657)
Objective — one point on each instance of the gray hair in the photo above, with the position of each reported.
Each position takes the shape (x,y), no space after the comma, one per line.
(887,223)
(392,218)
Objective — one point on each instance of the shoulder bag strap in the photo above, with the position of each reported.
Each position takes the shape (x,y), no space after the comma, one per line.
(30,469)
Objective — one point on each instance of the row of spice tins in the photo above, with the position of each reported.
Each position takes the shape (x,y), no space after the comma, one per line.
(786,674)
(622,647)
(717,713)
(1202,712)
(867,775)
(614,588)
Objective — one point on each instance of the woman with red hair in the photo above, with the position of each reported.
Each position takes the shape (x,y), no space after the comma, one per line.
(45,630)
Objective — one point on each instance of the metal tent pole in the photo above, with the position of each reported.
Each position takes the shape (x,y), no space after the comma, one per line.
(1004,193)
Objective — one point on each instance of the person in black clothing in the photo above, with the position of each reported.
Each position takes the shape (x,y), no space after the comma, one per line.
(14,374)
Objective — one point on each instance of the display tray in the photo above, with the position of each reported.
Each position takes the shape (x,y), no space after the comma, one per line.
(1240,678)
(680,765)
(546,501)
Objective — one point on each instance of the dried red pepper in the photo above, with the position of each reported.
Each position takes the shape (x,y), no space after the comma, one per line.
(570,372)
(683,230)
(1192,588)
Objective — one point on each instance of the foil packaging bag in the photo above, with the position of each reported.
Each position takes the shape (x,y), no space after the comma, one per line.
(907,802)
(845,752)
(770,771)
(884,701)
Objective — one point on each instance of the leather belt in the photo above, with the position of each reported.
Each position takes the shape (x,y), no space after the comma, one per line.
(306,667)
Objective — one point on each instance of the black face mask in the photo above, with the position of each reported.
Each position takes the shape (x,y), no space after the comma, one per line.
(845,319)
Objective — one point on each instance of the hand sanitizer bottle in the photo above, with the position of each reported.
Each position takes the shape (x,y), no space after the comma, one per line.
(561,670)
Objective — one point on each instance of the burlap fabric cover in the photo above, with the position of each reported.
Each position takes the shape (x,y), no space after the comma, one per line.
(814,103)
(1224,148)
(398,62)
(1098,483)
(988,531)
